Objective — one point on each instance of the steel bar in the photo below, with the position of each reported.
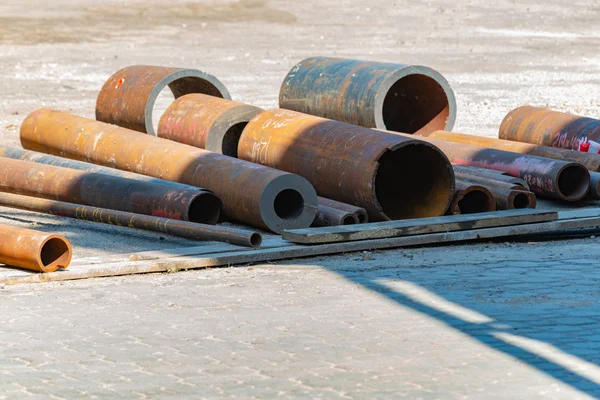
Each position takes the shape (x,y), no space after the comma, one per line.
(328,216)
(390,176)
(462,170)
(360,212)
(41,158)
(506,195)
(545,127)
(589,160)
(106,191)
(33,250)
(127,98)
(206,122)
(546,177)
(252,194)
(396,97)
(470,198)
(167,226)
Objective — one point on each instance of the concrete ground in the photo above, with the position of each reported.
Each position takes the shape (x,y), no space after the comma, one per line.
(479,321)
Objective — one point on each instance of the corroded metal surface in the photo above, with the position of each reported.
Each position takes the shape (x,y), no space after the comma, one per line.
(548,128)
(329,216)
(470,198)
(546,177)
(251,193)
(128,96)
(33,250)
(475,172)
(390,176)
(506,195)
(206,122)
(360,212)
(167,226)
(589,160)
(106,191)
(396,97)
(594,185)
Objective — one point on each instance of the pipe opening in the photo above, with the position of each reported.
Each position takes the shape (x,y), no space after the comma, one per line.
(53,251)
(521,200)
(164,99)
(414,181)
(362,217)
(288,204)
(349,220)
(573,182)
(205,209)
(255,239)
(229,146)
(413,102)
(474,201)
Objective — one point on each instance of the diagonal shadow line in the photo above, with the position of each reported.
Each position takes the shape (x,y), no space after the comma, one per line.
(482,332)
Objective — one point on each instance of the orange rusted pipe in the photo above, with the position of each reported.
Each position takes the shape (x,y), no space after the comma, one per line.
(128,96)
(589,160)
(251,193)
(390,176)
(206,122)
(470,198)
(33,250)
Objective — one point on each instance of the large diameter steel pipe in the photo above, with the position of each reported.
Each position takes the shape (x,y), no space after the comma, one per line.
(106,191)
(545,127)
(589,160)
(471,198)
(206,122)
(127,98)
(33,250)
(390,176)
(546,177)
(167,226)
(41,158)
(251,193)
(396,97)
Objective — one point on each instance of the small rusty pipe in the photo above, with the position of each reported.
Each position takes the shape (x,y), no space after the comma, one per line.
(594,185)
(328,216)
(184,229)
(390,176)
(206,122)
(106,191)
(545,127)
(546,177)
(470,198)
(506,195)
(360,212)
(467,171)
(41,158)
(589,160)
(33,250)
(128,96)
(396,97)
(251,194)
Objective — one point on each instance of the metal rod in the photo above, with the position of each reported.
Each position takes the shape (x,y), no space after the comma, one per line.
(167,226)
(251,193)
(396,97)
(390,176)
(128,96)
(34,250)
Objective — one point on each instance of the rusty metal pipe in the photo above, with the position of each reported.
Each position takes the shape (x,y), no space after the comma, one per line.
(361,213)
(589,160)
(506,195)
(546,177)
(33,250)
(470,198)
(128,96)
(206,122)
(545,127)
(594,185)
(390,176)
(396,97)
(467,171)
(167,226)
(328,216)
(106,191)
(251,193)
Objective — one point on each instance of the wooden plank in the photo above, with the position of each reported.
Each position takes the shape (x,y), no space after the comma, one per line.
(449,223)
(295,251)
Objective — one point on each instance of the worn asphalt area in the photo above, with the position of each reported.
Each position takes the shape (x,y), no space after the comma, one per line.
(478,321)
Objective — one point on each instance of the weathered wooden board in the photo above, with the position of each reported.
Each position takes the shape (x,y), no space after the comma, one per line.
(449,223)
